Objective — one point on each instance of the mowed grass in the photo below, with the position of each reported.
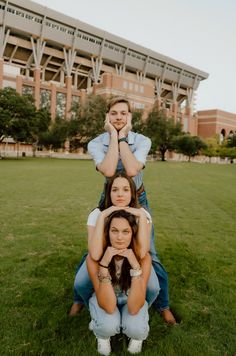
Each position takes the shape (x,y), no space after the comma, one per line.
(44,207)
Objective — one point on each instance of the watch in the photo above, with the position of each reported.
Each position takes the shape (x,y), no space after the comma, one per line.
(123,139)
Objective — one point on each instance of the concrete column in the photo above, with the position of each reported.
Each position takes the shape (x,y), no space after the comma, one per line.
(19,84)
(37,87)
(53,101)
(191,122)
(68,97)
(175,110)
(83,95)
(1,73)
(158,103)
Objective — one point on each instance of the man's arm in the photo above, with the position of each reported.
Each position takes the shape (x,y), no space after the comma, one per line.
(131,165)
(133,162)
(108,165)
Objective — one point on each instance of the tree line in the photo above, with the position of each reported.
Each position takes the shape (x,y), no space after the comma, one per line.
(20,120)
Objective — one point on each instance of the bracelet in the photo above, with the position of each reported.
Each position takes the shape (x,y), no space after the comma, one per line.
(135,277)
(99,264)
(123,139)
(136,268)
(135,272)
(104,279)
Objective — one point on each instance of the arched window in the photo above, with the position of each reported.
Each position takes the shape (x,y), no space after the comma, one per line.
(222,135)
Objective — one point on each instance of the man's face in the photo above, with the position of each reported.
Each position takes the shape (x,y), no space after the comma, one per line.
(118,115)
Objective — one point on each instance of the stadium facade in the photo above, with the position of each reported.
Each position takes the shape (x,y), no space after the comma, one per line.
(59,60)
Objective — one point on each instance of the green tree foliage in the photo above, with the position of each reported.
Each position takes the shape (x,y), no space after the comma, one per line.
(228,148)
(91,116)
(58,133)
(231,141)
(227,152)
(5,117)
(17,115)
(212,147)
(189,145)
(40,126)
(162,130)
(138,124)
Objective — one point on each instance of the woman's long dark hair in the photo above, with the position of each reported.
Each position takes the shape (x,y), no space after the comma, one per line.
(106,202)
(125,280)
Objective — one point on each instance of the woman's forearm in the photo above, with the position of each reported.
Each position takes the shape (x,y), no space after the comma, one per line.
(137,294)
(96,240)
(106,297)
(143,237)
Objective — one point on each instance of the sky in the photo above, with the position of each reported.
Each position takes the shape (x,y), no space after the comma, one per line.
(200,33)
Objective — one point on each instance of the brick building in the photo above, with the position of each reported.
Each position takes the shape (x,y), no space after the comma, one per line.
(216,122)
(59,59)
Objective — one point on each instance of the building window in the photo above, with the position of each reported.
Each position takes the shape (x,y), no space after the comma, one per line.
(60,104)
(45,98)
(74,106)
(125,84)
(28,90)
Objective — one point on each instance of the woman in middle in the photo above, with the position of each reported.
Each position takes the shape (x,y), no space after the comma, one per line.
(120,194)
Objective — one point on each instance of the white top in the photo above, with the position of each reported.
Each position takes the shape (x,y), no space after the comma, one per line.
(93,216)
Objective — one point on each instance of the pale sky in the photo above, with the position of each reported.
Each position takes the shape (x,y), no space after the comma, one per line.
(200,33)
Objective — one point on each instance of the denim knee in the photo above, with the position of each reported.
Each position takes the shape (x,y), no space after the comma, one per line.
(104,325)
(108,325)
(153,288)
(136,326)
(83,286)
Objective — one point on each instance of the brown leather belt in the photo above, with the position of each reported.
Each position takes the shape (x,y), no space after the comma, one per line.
(140,190)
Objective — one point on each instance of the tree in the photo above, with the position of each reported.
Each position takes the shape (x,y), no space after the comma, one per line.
(90,119)
(138,124)
(189,145)
(55,137)
(228,152)
(162,130)
(5,117)
(212,147)
(231,141)
(16,115)
(39,127)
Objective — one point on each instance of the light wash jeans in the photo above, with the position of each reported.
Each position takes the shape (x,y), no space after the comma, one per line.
(83,287)
(162,301)
(105,325)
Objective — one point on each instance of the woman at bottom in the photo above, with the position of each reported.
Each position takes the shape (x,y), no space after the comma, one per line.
(120,281)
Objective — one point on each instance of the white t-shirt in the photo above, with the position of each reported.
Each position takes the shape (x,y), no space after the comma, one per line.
(93,216)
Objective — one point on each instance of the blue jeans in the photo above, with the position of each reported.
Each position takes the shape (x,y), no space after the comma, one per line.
(162,301)
(83,287)
(105,325)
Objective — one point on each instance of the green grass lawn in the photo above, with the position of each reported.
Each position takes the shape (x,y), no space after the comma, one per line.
(44,206)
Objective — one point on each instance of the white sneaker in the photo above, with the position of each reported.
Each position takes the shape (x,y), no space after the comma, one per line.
(104,346)
(135,346)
